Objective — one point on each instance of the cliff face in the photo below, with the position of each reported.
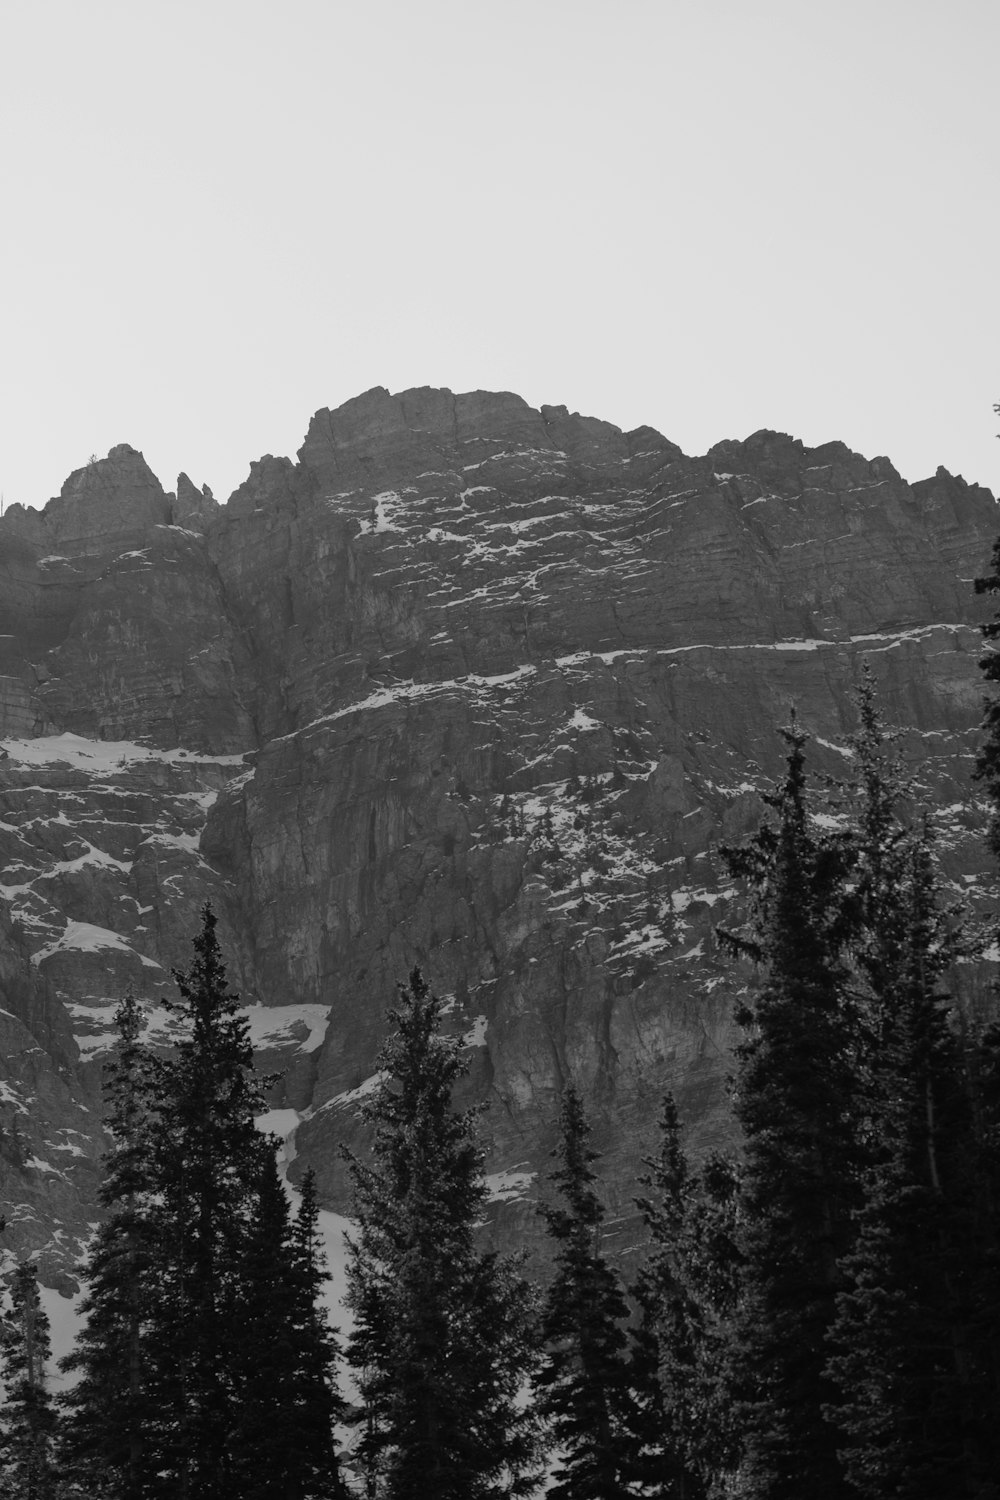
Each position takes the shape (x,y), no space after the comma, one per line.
(469,686)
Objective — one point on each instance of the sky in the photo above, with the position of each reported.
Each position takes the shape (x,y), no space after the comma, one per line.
(709,216)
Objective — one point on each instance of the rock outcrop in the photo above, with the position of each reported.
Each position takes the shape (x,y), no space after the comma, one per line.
(469,686)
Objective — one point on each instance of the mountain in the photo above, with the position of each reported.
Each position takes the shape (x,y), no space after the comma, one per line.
(469,686)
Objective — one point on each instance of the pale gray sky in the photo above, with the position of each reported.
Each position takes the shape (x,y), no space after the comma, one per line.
(707,215)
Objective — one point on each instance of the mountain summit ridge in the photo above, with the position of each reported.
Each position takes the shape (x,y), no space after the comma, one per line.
(372,425)
(468,685)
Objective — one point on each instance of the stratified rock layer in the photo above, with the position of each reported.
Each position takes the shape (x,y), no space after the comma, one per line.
(469,686)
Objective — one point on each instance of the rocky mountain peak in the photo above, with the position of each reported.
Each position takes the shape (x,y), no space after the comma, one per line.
(193,508)
(118,497)
(472,686)
(380,433)
(384,434)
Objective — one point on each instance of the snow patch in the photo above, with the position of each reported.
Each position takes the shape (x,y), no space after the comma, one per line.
(8,1095)
(351,1096)
(582,720)
(385,507)
(102,757)
(283,1123)
(827,820)
(93,856)
(65,1322)
(682,899)
(401,692)
(476,1036)
(844,750)
(508,1187)
(438,534)
(273,1025)
(86,938)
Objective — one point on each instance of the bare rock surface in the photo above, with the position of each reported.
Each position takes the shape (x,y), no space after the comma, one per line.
(469,686)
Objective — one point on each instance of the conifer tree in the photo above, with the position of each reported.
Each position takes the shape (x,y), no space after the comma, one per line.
(882,853)
(199,1289)
(909,1354)
(28,1417)
(283,1370)
(983,1039)
(981,1053)
(318,1402)
(440,1345)
(206,1155)
(657,1467)
(686,1293)
(926,1156)
(583,1385)
(664,1342)
(113,1411)
(794,1098)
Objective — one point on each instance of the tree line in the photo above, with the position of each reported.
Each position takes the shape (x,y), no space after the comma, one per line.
(816,1315)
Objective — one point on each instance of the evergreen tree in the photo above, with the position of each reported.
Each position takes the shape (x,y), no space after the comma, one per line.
(664,1342)
(200,1292)
(28,1418)
(113,1412)
(318,1403)
(440,1345)
(657,1468)
(981,1049)
(583,1385)
(909,1360)
(794,1098)
(882,852)
(283,1440)
(712,1265)
(206,1154)
(686,1293)
(983,1039)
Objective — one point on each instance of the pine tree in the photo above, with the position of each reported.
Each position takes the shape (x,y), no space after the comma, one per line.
(583,1386)
(440,1345)
(687,1292)
(283,1370)
(882,851)
(794,1098)
(318,1404)
(983,1040)
(981,1053)
(206,1155)
(922,1136)
(712,1265)
(656,1469)
(113,1412)
(200,1292)
(909,1357)
(28,1417)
